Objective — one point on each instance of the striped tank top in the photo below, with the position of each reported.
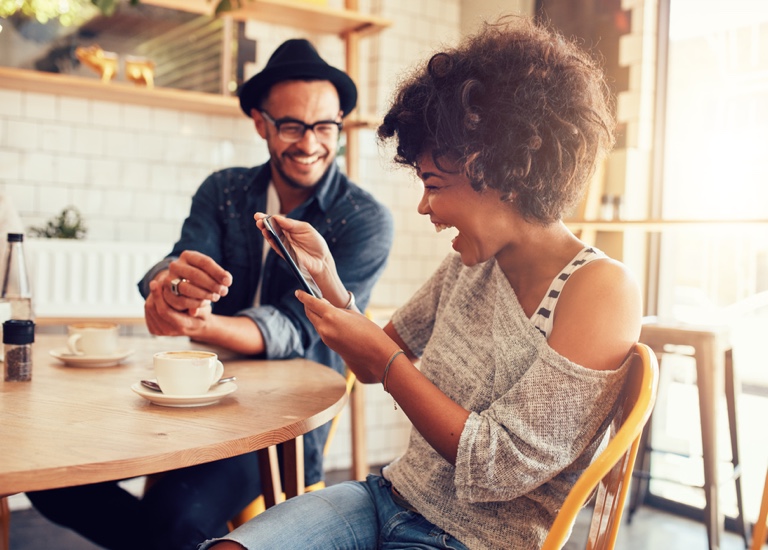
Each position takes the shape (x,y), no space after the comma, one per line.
(544,317)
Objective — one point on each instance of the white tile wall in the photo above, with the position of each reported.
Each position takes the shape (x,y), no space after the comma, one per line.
(132,170)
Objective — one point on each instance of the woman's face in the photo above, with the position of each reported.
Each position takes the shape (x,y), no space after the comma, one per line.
(484,222)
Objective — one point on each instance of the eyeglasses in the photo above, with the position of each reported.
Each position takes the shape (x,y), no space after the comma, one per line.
(291,130)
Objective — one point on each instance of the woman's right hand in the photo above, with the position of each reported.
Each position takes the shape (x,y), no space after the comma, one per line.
(312,253)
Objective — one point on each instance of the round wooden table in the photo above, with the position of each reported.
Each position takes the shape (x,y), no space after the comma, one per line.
(75,425)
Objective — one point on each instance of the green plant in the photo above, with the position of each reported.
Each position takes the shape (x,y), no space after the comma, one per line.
(67,225)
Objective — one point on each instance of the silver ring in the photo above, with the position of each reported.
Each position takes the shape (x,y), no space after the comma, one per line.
(175,285)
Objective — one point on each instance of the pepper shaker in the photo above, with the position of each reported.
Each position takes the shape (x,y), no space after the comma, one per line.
(18,337)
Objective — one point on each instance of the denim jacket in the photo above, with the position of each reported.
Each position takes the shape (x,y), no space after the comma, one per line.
(358,230)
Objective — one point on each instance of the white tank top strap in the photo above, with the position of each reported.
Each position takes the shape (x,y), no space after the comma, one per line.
(544,317)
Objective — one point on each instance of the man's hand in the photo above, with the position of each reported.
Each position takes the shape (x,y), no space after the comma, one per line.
(198,281)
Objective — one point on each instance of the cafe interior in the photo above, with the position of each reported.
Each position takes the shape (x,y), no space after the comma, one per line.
(111,118)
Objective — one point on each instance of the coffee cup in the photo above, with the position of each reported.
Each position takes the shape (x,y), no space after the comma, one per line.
(93,338)
(187,372)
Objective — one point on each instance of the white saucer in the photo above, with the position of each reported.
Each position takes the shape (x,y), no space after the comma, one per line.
(63,354)
(213,396)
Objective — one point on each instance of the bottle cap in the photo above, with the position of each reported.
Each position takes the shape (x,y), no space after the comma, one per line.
(18,331)
(15,237)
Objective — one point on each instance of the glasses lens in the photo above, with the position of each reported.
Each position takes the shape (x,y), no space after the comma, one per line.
(290,131)
(326,130)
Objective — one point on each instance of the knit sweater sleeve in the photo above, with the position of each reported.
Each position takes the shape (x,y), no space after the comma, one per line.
(536,430)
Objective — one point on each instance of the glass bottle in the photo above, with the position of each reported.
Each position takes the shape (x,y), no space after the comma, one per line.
(18,336)
(16,289)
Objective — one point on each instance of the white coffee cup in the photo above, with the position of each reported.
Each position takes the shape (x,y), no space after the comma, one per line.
(187,372)
(93,338)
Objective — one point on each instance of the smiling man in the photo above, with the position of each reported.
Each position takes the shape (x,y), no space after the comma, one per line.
(222,285)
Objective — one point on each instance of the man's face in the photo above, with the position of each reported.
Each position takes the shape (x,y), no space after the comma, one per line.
(301,164)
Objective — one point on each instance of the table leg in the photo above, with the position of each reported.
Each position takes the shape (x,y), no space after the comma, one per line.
(5,524)
(293,454)
(269,468)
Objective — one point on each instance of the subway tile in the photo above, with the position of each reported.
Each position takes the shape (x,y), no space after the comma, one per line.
(121,144)
(73,109)
(90,202)
(23,134)
(163,231)
(23,195)
(118,203)
(166,121)
(177,149)
(163,177)
(130,230)
(10,103)
(194,124)
(137,117)
(10,165)
(151,207)
(70,169)
(39,167)
(88,141)
(151,147)
(175,208)
(52,198)
(39,106)
(105,113)
(104,172)
(56,138)
(101,229)
(134,175)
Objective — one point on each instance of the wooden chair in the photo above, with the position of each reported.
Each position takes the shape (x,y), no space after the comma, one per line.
(611,471)
(758,534)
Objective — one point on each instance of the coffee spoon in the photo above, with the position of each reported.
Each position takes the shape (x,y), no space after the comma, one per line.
(152,385)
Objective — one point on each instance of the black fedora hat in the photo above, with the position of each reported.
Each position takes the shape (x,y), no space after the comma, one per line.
(294,60)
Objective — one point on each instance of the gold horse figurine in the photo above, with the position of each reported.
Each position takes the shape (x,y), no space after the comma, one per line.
(140,70)
(104,63)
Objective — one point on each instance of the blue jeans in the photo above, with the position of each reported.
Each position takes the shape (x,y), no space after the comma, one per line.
(352,515)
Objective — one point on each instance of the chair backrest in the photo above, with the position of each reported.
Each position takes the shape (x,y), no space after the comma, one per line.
(611,471)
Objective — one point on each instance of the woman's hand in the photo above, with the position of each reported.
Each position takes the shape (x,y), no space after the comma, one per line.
(312,253)
(362,344)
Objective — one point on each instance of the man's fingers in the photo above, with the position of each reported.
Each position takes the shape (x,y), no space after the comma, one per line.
(207,265)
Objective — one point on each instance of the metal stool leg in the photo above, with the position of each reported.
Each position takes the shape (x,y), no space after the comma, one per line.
(709,360)
(731,392)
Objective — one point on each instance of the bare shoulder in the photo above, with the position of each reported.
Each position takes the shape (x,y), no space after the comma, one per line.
(598,315)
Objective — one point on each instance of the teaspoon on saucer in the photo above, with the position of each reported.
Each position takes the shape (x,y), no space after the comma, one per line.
(152,385)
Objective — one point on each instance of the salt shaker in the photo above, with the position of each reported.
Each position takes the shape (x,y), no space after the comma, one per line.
(18,337)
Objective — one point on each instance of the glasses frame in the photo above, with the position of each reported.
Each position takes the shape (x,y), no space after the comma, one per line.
(287,120)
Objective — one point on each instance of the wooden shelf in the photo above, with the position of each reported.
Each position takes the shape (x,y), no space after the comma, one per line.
(119,92)
(122,92)
(656,225)
(291,13)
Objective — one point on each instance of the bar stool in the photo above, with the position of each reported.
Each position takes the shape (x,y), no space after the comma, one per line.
(713,354)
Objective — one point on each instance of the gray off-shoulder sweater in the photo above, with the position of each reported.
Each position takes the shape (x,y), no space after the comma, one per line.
(537,418)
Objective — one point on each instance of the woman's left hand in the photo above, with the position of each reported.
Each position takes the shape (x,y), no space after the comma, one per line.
(362,344)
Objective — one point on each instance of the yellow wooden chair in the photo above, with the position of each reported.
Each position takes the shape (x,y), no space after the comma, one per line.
(611,471)
(758,533)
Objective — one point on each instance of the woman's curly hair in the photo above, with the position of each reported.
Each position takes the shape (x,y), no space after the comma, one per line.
(517,108)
